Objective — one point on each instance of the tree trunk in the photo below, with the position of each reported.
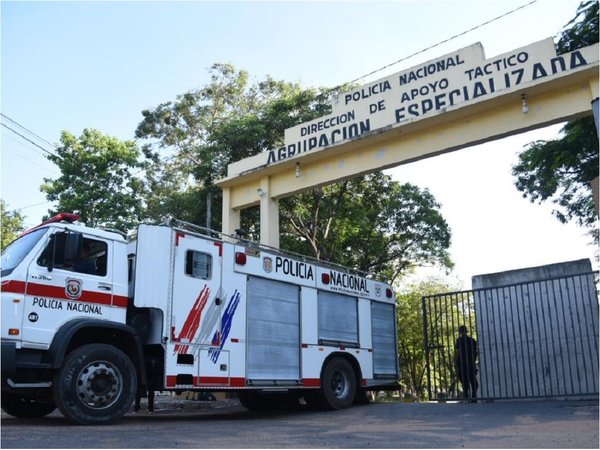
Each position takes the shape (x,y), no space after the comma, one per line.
(208,210)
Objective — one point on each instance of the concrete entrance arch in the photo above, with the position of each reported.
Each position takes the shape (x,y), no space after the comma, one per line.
(451,102)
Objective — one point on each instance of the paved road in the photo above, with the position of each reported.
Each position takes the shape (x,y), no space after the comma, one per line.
(225,424)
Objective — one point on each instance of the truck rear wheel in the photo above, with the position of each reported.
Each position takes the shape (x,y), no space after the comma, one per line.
(338,384)
(313,400)
(22,407)
(362,397)
(96,385)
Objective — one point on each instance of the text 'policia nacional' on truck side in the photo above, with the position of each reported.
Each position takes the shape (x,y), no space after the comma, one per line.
(91,319)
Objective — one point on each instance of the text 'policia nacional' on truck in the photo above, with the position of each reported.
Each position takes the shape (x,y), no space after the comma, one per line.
(90,319)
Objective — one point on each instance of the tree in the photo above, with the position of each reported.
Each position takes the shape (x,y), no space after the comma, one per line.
(370,223)
(183,128)
(582,30)
(97,180)
(12,224)
(561,170)
(409,323)
(204,130)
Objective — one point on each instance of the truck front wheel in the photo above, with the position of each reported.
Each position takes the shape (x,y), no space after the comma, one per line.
(96,385)
(26,408)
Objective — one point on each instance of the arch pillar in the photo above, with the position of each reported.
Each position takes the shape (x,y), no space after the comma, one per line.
(269,214)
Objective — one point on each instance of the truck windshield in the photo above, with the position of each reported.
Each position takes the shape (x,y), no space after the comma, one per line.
(15,252)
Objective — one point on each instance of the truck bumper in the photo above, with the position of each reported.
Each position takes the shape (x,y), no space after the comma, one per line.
(8,359)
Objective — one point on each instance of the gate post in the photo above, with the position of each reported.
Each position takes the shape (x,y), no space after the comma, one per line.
(426,343)
(230,216)
(594,88)
(595,112)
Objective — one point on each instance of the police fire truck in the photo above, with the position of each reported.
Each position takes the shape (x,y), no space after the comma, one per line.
(91,319)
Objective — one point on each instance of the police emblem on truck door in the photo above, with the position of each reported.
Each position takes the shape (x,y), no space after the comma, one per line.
(73,288)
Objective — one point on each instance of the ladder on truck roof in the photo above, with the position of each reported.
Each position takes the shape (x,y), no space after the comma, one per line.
(213,234)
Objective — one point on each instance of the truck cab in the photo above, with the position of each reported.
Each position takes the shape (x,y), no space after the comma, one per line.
(62,285)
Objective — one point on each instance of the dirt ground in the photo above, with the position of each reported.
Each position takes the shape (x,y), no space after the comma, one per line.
(181,423)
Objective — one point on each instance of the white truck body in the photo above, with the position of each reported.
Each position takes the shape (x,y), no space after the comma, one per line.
(191,312)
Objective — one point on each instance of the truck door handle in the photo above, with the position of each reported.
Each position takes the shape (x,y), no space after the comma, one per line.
(105,287)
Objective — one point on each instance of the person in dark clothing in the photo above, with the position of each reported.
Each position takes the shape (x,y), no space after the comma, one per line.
(138,397)
(84,264)
(465,356)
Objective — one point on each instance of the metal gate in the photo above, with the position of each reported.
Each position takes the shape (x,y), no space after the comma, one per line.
(536,339)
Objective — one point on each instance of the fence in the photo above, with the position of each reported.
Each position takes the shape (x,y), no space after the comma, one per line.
(536,339)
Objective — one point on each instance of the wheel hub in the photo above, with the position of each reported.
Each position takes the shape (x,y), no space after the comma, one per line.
(340,384)
(99,384)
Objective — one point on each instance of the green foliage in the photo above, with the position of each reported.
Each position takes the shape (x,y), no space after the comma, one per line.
(582,30)
(180,182)
(409,323)
(560,170)
(97,180)
(11,223)
(371,223)
(205,130)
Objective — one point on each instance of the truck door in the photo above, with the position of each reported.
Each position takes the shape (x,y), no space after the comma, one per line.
(60,289)
(197,295)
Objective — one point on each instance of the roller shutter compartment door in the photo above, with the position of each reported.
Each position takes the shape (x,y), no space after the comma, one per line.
(338,319)
(273,330)
(383,330)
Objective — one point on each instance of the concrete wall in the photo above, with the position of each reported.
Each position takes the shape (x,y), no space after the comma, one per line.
(546,272)
(537,330)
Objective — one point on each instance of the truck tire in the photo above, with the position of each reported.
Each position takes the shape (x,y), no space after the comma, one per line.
(257,401)
(250,400)
(96,385)
(25,408)
(338,384)
(313,400)
(362,397)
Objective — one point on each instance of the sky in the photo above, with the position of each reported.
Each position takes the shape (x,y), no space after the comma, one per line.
(76,65)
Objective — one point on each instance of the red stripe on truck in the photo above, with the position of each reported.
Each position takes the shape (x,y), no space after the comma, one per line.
(42,290)
(311,382)
(16,287)
(171,381)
